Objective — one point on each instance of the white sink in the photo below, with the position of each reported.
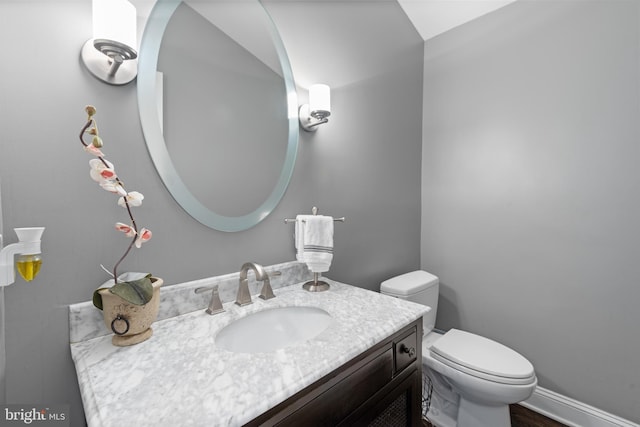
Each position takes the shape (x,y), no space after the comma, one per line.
(274,328)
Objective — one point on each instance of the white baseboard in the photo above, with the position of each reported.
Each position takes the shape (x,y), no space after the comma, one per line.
(571,412)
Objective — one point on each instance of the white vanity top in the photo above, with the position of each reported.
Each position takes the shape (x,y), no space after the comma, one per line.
(180,378)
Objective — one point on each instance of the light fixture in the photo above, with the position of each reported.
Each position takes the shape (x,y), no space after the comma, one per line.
(317,110)
(28,261)
(110,55)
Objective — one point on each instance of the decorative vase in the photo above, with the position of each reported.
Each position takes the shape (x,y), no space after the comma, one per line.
(130,323)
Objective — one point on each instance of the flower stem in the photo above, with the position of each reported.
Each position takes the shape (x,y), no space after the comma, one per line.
(115,267)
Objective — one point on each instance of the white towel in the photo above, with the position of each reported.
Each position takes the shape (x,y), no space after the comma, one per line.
(314,241)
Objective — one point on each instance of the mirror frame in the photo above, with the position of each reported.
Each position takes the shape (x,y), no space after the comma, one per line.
(150,121)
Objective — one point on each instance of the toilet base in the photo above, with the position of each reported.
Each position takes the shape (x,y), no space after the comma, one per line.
(440,402)
(471,414)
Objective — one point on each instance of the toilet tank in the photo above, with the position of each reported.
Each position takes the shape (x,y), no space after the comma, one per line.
(419,287)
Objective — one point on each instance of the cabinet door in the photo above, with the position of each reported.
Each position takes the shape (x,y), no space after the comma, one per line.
(335,396)
(344,397)
(398,405)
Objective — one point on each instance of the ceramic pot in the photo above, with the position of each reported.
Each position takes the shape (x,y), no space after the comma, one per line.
(130,323)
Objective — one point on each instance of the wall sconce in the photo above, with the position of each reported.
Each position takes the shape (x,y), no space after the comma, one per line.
(28,261)
(110,55)
(317,110)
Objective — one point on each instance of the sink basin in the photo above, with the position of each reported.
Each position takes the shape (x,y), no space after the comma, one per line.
(271,329)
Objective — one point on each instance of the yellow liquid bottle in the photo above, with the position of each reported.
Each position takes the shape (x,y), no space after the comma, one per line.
(28,266)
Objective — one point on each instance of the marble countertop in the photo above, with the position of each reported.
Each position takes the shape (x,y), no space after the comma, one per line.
(179,376)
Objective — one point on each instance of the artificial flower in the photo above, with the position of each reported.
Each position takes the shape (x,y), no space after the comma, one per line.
(103,172)
(143,236)
(133,198)
(91,149)
(128,230)
(113,186)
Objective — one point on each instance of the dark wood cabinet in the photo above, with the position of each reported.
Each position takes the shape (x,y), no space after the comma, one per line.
(380,387)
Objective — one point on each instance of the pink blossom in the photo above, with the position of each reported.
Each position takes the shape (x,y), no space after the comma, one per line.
(108,174)
(133,198)
(91,149)
(100,172)
(143,236)
(113,186)
(126,229)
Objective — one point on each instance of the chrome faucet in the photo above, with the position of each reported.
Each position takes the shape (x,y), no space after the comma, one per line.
(244,297)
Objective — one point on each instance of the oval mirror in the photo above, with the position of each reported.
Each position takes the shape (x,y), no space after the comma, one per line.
(218,109)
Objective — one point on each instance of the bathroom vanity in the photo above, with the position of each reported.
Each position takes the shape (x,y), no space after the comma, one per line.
(364,367)
(381,387)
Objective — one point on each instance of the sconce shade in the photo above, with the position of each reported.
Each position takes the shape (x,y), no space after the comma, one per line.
(320,100)
(115,20)
(317,111)
(111,54)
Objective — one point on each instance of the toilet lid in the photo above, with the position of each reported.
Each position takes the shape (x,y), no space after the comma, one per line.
(482,357)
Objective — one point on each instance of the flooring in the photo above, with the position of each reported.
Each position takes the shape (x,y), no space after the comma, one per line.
(523,417)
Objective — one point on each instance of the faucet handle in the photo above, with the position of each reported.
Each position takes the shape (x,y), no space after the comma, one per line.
(215,305)
(267,292)
(243,296)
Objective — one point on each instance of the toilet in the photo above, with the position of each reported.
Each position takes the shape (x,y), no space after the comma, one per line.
(473,379)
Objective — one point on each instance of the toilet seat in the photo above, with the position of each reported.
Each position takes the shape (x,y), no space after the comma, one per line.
(483,358)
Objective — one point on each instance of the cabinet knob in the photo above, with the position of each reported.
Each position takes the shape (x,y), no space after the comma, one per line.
(411,351)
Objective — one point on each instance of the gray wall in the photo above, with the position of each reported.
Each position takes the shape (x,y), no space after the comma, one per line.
(365,164)
(530,190)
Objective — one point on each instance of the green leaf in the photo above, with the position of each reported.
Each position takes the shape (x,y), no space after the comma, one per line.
(97,298)
(133,292)
(137,292)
